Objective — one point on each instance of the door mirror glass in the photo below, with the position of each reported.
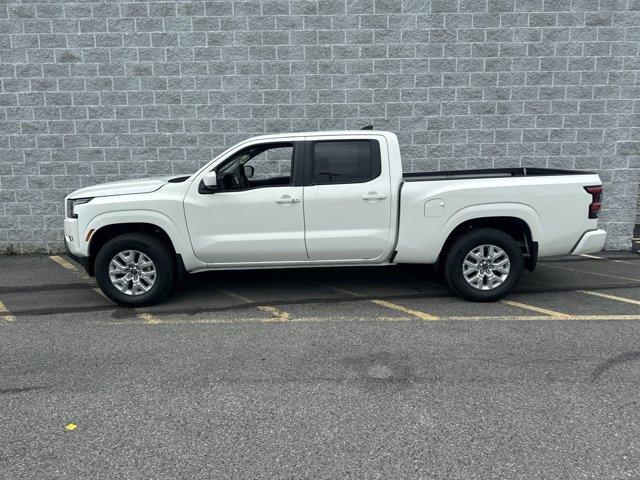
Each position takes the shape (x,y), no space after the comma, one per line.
(248,171)
(210,180)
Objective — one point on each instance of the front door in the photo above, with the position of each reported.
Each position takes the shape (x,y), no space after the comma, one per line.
(347,200)
(255,215)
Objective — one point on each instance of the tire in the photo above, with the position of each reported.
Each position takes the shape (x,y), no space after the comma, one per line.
(161,256)
(492,283)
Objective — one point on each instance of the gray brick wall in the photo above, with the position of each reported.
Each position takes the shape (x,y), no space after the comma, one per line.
(99,91)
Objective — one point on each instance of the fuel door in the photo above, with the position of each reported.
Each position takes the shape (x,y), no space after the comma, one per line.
(434,208)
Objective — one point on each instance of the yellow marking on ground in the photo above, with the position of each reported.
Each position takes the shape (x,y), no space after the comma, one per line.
(73,268)
(610,297)
(234,295)
(480,318)
(63,263)
(549,318)
(635,264)
(591,273)
(5,314)
(410,311)
(99,292)
(70,427)
(589,256)
(382,303)
(333,287)
(533,308)
(149,319)
(277,314)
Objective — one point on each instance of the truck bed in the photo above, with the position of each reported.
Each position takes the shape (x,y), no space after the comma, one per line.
(487,173)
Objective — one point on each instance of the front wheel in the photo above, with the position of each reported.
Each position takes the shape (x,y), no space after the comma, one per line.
(484,265)
(135,269)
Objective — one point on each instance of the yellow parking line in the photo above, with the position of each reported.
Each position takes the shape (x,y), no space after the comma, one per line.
(276,314)
(488,318)
(635,264)
(5,314)
(63,263)
(533,308)
(591,273)
(71,267)
(333,287)
(410,311)
(382,303)
(549,318)
(233,295)
(149,319)
(610,297)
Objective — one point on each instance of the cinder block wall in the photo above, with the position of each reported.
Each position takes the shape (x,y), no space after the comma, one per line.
(99,91)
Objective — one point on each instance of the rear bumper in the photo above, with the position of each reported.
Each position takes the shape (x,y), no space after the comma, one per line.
(591,242)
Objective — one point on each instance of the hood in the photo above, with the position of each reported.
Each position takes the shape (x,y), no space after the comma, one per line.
(126,187)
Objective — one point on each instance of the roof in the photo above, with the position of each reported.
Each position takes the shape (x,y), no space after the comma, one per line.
(327,133)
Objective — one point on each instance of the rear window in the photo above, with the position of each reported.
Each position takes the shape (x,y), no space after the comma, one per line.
(345,161)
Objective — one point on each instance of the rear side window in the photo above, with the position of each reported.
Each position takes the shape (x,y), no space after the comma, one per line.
(345,161)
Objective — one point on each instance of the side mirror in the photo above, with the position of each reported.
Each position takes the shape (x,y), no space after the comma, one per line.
(248,171)
(210,180)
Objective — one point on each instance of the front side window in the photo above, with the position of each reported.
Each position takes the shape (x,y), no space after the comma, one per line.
(264,165)
(345,161)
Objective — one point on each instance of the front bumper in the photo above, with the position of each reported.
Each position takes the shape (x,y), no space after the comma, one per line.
(73,245)
(86,262)
(591,242)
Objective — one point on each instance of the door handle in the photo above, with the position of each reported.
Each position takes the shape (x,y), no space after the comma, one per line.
(374,196)
(287,199)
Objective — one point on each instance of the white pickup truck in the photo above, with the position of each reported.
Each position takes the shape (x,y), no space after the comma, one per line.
(329,199)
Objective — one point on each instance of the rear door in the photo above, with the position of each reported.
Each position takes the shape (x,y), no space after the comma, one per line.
(347,198)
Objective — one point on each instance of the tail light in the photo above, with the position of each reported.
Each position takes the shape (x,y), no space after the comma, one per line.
(596,198)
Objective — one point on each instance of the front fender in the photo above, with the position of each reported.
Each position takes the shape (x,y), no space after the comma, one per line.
(151,217)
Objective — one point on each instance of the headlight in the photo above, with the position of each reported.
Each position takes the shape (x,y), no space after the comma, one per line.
(72,203)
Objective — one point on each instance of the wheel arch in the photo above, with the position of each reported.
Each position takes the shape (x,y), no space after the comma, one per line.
(105,227)
(107,232)
(514,226)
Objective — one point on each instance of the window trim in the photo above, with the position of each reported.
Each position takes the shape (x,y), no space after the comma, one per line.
(374,158)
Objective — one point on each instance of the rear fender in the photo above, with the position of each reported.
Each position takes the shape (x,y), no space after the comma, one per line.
(520,211)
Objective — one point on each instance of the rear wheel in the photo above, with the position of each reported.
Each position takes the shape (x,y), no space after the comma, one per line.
(483,265)
(135,269)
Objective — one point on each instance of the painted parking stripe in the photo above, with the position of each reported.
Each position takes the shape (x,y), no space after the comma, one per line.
(149,319)
(277,315)
(602,258)
(533,308)
(383,303)
(591,273)
(63,263)
(5,314)
(410,311)
(610,297)
(71,267)
(334,319)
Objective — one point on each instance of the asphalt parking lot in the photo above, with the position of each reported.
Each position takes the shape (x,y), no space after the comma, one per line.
(324,373)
